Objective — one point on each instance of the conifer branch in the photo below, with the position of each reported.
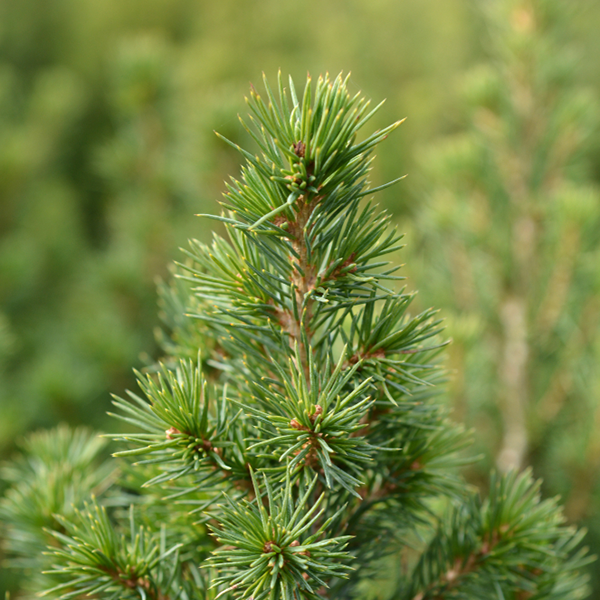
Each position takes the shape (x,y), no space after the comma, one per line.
(483,548)
(308,443)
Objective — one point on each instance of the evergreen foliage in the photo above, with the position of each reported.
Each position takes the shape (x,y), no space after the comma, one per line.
(106,150)
(57,472)
(78,255)
(509,240)
(306,447)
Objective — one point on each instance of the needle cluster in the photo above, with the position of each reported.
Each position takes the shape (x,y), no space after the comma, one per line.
(306,447)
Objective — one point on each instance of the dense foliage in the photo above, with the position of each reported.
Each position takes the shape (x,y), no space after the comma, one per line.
(107,113)
(291,441)
(513,203)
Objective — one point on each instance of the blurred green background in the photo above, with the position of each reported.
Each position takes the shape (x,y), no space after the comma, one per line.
(107,150)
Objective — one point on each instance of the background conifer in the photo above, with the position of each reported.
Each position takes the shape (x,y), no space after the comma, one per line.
(509,240)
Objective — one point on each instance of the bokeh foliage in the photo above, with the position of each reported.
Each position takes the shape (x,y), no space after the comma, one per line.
(313,460)
(107,113)
(106,148)
(513,199)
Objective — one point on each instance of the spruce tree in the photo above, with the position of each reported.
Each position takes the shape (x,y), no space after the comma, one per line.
(509,235)
(291,443)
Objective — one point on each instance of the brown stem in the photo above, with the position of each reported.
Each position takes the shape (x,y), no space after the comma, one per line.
(516,164)
(303,280)
(133,581)
(513,377)
(463,566)
(453,576)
